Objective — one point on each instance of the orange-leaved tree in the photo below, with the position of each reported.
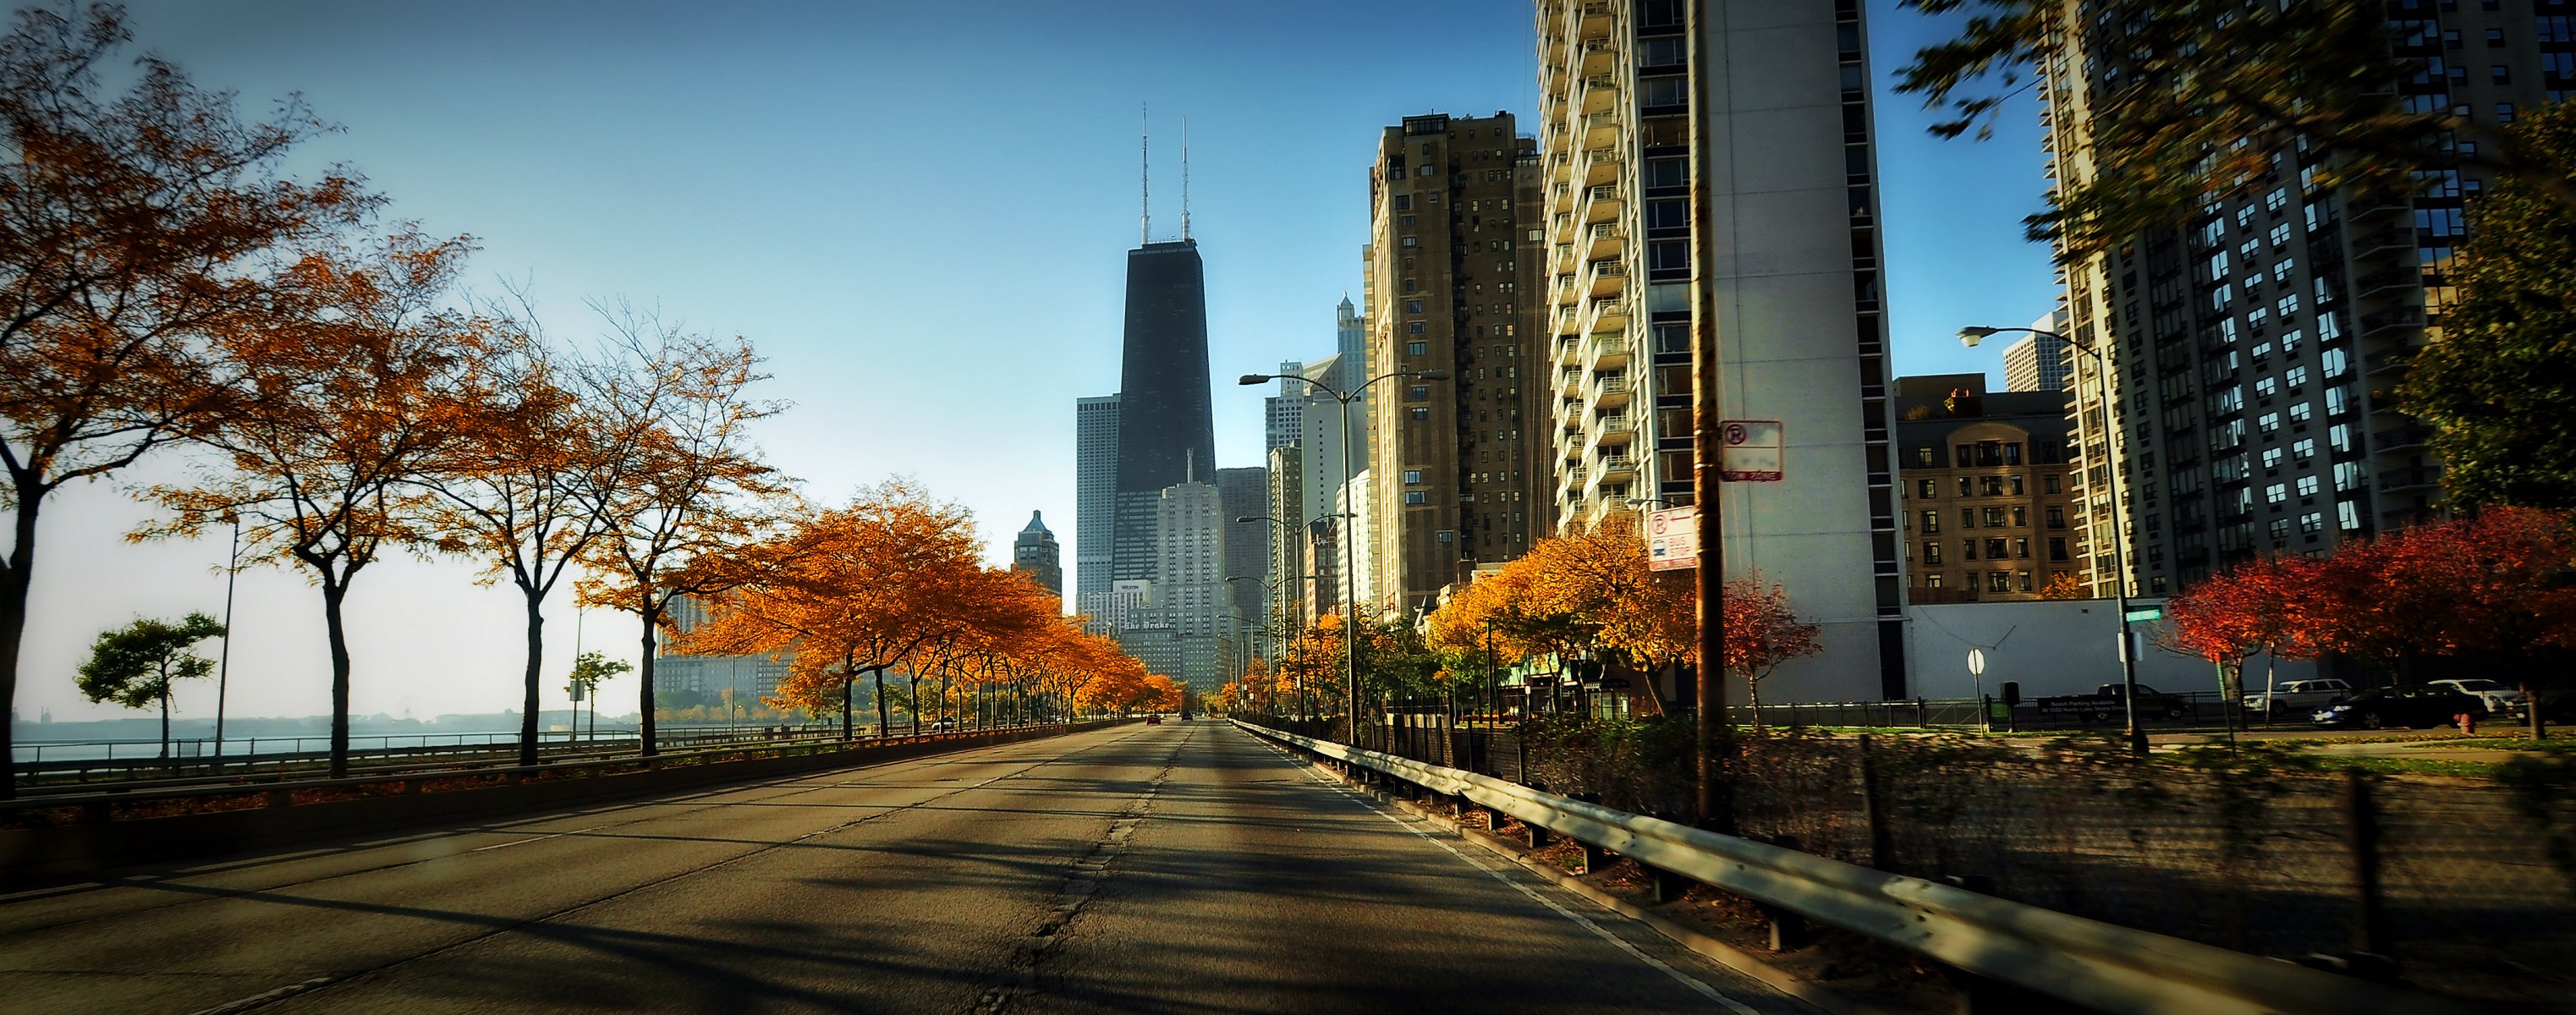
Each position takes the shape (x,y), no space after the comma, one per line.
(347,392)
(132,226)
(851,591)
(681,481)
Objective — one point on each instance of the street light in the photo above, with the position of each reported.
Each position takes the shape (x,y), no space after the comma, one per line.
(1350,574)
(2136,736)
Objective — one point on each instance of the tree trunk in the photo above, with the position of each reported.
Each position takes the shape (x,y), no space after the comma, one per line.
(652,616)
(916,704)
(536,654)
(849,704)
(879,674)
(165,713)
(334,590)
(15,579)
(1753,701)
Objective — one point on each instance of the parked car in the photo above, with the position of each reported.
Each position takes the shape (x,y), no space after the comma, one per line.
(2298,697)
(2423,705)
(2499,699)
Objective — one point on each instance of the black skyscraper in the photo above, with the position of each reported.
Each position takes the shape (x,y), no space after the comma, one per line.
(1164,424)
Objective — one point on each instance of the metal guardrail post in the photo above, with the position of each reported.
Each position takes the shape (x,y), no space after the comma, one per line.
(2361,822)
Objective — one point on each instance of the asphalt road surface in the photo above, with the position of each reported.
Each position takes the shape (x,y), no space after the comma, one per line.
(1183,868)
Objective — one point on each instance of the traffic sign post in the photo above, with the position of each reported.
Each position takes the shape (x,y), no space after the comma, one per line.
(1672,539)
(2144,613)
(1752,450)
(1977,675)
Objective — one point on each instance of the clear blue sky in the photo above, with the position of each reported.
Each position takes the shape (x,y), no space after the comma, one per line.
(919,216)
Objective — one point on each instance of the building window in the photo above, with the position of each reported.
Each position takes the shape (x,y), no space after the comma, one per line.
(1668,213)
(1667,172)
(2307,486)
(1932,552)
(1967,486)
(1967,518)
(1931,521)
(2276,493)
(2049,484)
(1417,348)
(1998,581)
(1421,414)
(1932,581)
(1967,549)
(2021,517)
(1994,518)
(2312,523)
(2057,548)
(1417,497)
(1926,490)
(1413,475)
(1418,392)
(2022,578)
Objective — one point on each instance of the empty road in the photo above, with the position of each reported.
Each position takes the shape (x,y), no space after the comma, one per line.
(1178,868)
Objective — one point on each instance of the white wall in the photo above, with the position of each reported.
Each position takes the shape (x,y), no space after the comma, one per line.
(2051,647)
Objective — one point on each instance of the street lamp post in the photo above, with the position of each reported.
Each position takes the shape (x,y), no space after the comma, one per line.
(1350,574)
(2135,736)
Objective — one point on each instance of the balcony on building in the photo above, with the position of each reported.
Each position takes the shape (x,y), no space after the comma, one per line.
(1611,429)
(1604,240)
(2401,438)
(1608,277)
(1599,56)
(1569,351)
(2396,280)
(1600,166)
(2390,360)
(1606,315)
(1618,465)
(1569,382)
(1600,130)
(2416,477)
(2383,242)
(1600,92)
(2391,321)
(1610,391)
(1601,203)
(1609,350)
(1593,19)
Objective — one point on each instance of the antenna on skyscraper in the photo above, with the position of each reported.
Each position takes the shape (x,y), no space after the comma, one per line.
(1185,177)
(1145,173)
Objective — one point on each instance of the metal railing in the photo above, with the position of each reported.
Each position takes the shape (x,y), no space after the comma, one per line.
(2086,962)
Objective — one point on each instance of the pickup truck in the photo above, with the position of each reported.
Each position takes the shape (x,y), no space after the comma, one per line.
(2104,704)
(2298,697)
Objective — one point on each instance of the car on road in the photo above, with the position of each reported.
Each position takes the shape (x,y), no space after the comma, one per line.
(2499,699)
(943,725)
(2298,697)
(2423,705)
(1153,720)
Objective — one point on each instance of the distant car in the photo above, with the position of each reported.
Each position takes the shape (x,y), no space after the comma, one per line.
(1153,720)
(2298,696)
(2499,699)
(943,725)
(2423,705)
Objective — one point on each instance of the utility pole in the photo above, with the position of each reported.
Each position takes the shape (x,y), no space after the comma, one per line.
(1716,802)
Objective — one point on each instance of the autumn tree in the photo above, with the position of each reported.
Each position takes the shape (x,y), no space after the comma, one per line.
(1761,633)
(132,224)
(136,665)
(2253,608)
(2188,101)
(346,394)
(520,487)
(2066,586)
(2499,383)
(852,592)
(684,483)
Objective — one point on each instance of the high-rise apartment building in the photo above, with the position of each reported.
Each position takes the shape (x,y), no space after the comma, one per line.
(1283,417)
(1769,262)
(701,679)
(1164,422)
(1245,493)
(1095,501)
(1989,488)
(1366,584)
(2250,351)
(1288,563)
(1461,466)
(1189,587)
(2038,361)
(1034,550)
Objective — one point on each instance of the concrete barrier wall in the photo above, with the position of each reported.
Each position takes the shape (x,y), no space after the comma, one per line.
(55,852)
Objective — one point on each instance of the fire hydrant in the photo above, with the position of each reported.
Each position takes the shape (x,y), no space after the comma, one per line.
(2468,723)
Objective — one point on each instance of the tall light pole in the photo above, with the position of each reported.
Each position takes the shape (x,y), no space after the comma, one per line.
(224,656)
(2136,736)
(1350,573)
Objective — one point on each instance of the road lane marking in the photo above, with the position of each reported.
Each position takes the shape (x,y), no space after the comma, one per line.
(1685,979)
(256,1000)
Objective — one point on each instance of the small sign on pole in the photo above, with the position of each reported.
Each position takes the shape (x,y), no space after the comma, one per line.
(1750,450)
(2144,613)
(1672,539)
(1976,662)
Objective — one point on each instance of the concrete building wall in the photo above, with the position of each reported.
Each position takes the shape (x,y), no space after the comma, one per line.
(2054,647)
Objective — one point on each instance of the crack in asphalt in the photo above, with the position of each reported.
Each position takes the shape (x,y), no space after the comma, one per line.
(1081,885)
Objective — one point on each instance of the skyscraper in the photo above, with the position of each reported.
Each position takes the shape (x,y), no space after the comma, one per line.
(1288,564)
(1284,414)
(1095,504)
(1462,466)
(1189,577)
(1245,493)
(1769,263)
(1035,552)
(2038,361)
(1164,422)
(2250,352)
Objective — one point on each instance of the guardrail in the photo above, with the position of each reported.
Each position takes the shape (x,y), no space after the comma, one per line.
(2085,962)
(96,803)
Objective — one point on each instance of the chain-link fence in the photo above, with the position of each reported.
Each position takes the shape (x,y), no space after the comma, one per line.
(2465,886)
